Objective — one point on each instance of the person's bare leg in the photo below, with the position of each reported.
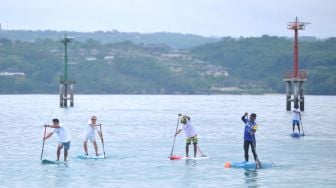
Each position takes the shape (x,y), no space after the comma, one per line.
(85,148)
(59,148)
(195,150)
(65,155)
(95,147)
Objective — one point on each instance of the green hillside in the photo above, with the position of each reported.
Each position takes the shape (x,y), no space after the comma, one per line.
(244,65)
(174,40)
(263,61)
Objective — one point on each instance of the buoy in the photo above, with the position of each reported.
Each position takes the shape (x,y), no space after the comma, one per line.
(227,164)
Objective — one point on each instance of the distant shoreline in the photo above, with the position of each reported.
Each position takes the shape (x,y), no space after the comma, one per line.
(82,94)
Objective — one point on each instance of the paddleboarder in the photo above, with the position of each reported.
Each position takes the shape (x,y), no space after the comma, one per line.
(249,135)
(64,138)
(296,118)
(90,134)
(190,133)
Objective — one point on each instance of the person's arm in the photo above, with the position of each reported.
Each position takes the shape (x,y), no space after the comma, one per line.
(53,126)
(178,132)
(254,129)
(243,118)
(95,125)
(252,132)
(48,136)
(51,133)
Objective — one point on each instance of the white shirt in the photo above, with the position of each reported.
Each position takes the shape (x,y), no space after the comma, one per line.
(63,134)
(91,130)
(189,129)
(296,114)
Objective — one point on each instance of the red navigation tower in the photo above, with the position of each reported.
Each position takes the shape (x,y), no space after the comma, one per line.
(294,79)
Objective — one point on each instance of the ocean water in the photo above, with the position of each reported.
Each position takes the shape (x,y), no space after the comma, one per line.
(139,131)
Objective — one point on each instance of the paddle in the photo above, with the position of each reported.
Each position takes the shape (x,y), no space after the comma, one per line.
(172,150)
(200,151)
(45,130)
(258,163)
(302,126)
(102,139)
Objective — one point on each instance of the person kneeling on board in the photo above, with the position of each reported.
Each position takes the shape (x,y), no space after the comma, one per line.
(190,133)
(90,134)
(63,138)
(249,135)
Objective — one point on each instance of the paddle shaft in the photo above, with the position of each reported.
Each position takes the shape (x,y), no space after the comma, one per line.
(45,130)
(302,126)
(101,132)
(255,150)
(172,150)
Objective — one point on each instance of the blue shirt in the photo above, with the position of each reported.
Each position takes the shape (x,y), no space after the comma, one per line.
(249,126)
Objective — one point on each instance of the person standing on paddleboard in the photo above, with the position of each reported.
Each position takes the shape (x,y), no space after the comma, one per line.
(296,117)
(64,138)
(90,134)
(190,133)
(249,134)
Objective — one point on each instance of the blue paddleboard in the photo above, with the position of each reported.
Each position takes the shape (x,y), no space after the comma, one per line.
(246,165)
(91,156)
(296,135)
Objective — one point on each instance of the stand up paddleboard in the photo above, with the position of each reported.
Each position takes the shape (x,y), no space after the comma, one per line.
(92,156)
(246,165)
(176,157)
(195,158)
(46,161)
(297,135)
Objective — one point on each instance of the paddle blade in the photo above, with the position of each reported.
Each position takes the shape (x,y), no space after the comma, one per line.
(175,157)
(46,161)
(258,164)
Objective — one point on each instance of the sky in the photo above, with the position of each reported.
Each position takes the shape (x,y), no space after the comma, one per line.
(219,18)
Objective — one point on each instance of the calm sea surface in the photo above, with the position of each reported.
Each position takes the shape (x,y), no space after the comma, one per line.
(138,132)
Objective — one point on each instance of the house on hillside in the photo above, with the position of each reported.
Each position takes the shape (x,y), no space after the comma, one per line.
(157,48)
(91,59)
(215,71)
(181,56)
(12,74)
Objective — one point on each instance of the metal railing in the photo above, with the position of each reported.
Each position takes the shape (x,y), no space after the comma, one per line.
(302,75)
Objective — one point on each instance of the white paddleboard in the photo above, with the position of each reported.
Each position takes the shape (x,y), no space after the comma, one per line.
(91,156)
(195,158)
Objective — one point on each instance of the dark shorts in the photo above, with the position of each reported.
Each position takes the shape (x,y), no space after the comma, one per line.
(66,145)
(296,122)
